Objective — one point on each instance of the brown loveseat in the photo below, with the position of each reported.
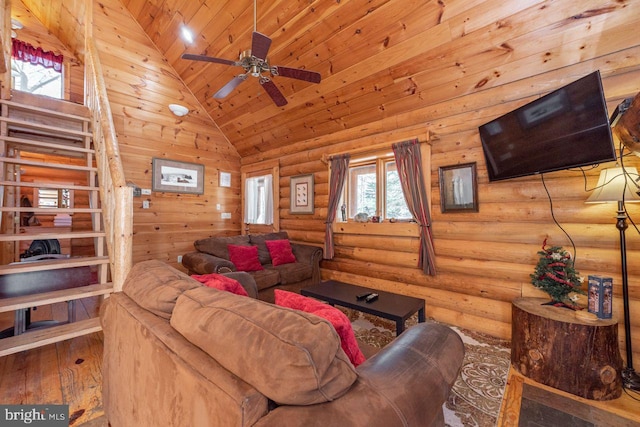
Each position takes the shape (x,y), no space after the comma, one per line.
(177,353)
(212,256)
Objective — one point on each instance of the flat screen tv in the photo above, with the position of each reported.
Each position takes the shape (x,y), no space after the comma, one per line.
(566,128)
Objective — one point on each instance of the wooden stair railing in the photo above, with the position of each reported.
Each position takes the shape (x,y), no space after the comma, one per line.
(116,196)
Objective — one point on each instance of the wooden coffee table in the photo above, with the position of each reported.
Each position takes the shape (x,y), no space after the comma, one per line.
(388,305)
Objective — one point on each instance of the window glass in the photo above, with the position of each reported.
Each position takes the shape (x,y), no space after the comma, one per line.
(258,200)
(362,190)
(36,79)
(395,203)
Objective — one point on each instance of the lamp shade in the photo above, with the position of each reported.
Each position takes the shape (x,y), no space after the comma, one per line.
(611,186)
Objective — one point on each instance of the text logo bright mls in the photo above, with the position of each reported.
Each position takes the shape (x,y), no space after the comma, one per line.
(34,415)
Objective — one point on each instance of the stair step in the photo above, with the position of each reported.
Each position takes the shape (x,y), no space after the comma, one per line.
(23,124)
(50,145)
(45,111)
(54,334)
(15,161)
(49,235)
(49,211)
(53,297)
(54,264)
(49,185)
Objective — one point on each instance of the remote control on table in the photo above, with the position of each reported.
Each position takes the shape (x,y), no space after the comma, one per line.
(371,298)
(362,296)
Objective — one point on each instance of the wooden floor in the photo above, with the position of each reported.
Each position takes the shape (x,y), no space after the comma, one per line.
(621,412)
(70,373)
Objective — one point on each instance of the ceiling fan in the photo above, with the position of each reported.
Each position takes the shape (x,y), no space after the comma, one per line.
(254,62)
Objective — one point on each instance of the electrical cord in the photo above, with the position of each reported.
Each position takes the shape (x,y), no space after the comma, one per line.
(553,216)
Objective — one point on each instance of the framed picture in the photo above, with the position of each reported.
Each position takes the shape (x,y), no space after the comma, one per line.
(458,188)
(177,177)
(224,179)
(301,194)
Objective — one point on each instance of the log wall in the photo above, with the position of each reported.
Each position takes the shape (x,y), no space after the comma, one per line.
(483,259)
(435,72)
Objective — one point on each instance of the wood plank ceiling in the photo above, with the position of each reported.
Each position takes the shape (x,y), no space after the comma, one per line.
(370,53)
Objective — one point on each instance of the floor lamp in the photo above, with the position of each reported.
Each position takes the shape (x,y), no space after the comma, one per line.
(616,186)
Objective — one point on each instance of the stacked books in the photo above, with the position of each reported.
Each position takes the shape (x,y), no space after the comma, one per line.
(62,220)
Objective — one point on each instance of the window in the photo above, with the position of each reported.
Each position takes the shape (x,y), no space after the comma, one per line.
(259,200)
(35,71)
(36,79)
(53,198)
(373,187)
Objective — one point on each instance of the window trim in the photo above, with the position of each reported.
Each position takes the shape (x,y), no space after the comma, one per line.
(269,167)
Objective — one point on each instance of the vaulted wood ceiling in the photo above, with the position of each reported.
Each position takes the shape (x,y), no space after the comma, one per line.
(370,54)
(380,60)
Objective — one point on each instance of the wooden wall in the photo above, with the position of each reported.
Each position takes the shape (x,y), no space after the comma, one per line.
(483,259)
(469,63)
(140,87)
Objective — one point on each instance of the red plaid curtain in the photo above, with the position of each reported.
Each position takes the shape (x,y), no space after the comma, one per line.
(25,52)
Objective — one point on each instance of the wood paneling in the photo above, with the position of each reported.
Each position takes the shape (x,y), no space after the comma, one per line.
(392,70)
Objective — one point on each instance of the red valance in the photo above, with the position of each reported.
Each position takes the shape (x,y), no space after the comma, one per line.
(35,55)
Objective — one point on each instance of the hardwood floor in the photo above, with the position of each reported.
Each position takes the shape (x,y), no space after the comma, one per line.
(621,412)
(69,372)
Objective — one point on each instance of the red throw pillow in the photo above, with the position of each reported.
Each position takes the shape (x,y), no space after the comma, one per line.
(280,251)
(221,282)
(337,318)
(245,258)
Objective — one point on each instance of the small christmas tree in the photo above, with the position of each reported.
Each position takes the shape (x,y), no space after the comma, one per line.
(555,275)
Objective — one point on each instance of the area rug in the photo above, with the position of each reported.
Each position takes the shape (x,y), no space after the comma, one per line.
(477,393)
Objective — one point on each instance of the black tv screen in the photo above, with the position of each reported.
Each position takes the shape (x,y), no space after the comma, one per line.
(566,128)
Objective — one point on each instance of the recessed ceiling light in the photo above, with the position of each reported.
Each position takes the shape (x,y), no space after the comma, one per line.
(187,34)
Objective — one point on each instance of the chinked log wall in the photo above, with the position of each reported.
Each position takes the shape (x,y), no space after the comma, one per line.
(483,259)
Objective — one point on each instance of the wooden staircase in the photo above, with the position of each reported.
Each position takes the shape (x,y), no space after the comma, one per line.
(53,140)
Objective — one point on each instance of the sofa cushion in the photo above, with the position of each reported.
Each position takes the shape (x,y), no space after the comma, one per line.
(291,357)
(337,318)
(266,278)
(156,286)
(259,241)
(217,246)
(294,272)
(218,281)
(245,258)
(280,251)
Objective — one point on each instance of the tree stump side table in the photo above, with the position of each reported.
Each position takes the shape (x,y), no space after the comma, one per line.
(553,347)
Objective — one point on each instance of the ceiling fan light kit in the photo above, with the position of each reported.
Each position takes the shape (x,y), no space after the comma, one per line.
(254,62)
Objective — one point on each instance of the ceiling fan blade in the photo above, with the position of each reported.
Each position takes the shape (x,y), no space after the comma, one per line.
(260,45)
(233,83)
(273,91)
(208,59)
(297,73)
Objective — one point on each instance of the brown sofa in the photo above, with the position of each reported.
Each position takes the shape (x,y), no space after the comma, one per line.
(177,353)
(211,256)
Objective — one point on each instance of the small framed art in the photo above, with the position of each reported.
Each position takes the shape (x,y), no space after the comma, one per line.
(458,188)
(301,194)
(177,177)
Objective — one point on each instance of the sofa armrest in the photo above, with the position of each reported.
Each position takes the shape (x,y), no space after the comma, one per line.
(406,383)
(309,254)
(246,280)
(201,263)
